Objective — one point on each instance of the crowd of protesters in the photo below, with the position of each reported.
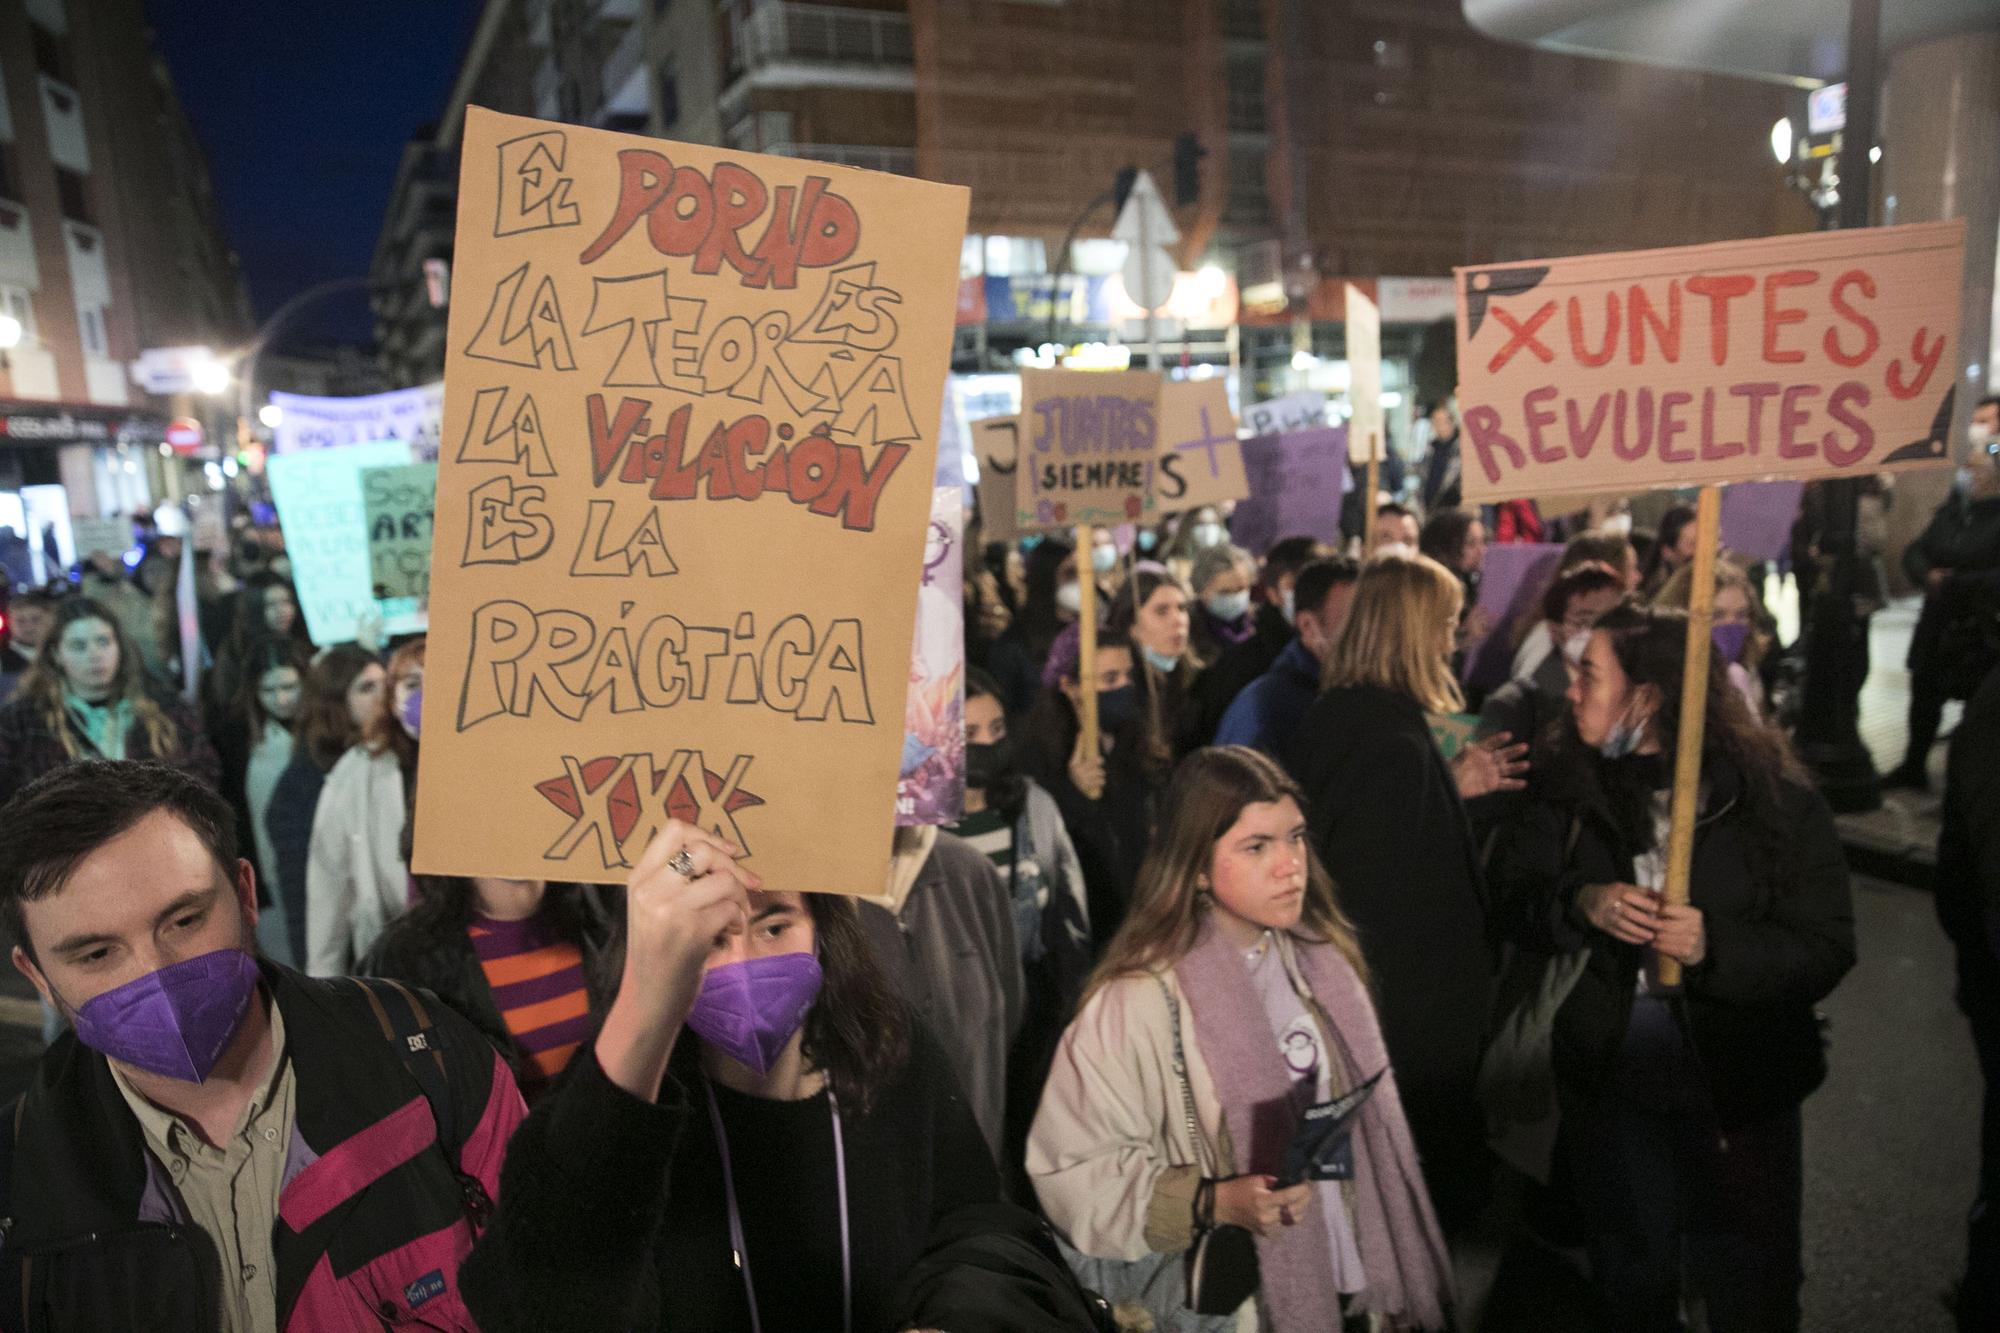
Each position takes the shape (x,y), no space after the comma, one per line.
(1250,1008)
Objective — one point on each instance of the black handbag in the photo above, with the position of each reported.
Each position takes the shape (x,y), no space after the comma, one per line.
(1221,1265)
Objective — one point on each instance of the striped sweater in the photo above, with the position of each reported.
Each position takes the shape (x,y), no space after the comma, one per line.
(537,982)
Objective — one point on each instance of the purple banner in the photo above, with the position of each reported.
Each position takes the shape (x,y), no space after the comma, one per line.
(1511,583)
(1296,481)
(1757,518)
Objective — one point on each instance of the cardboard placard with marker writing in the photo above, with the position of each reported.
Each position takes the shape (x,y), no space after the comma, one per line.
(1111,447)
(1200,462)
(1823,354)
(683,490)
(995,443)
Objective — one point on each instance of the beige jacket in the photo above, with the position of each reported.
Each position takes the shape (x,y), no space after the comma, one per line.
(1110,1154)
(356,879)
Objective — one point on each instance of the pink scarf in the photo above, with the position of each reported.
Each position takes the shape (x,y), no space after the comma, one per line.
(1402,1250)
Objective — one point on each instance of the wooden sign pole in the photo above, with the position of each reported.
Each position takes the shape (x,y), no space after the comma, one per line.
(1368,501)
(1086,638)
(1694,712)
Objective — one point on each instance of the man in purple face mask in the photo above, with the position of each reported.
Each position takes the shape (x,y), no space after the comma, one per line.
(217,1127)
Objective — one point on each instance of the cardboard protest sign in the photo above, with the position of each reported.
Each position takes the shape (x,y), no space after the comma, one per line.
(686,472)
(1366,429)
(1821,354)
(1088,447)
(113,536)
(1757,518)
(1305,410)
(1511,582)
(398,504)
(1296,482)
(995,443)
(930,786)
(320,502)
(1200,463)
(306,421)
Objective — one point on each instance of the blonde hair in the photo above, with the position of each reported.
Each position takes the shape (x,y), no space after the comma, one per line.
(1393,635)
(1204,802)
(1679,589)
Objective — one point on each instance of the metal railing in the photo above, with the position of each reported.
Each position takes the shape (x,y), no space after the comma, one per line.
(901,161)
(821,34)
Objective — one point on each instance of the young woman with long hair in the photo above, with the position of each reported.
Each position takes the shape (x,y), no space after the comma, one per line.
(525,960)
(1389,821)
(1743,631)
(253,737)
(265,615)
(1107,799)
(761,1136)
(1152,611)
(1233,999)
(357,876)
(1680,1105)
(343,692)
(86,696)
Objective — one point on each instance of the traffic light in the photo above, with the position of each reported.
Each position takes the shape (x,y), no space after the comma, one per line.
(1188,154)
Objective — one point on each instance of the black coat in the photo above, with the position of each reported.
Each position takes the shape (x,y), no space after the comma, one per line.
(612,1212)
(1390,828)
(289,822)
(1968,860)
(1778,942)
(1231,673)
(1956,636)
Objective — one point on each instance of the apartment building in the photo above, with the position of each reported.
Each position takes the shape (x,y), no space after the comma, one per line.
(109,244)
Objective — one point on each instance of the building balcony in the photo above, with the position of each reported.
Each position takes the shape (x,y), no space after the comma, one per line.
(625,79)
(63,110)
(18,266)
(781,45)
(869,157)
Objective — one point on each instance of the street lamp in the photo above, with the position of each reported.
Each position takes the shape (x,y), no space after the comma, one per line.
(1782,140)
(211,378)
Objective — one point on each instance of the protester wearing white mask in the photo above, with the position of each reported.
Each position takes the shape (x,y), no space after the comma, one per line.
(1222,578)
(1679,1106)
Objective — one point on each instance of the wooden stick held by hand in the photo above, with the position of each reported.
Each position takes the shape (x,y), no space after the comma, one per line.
(1694,713)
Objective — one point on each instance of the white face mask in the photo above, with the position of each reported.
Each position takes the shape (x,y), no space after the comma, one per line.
(1574,648)
(1980,435)
(1206,535)
(1070,597)
(1104,559)
(1290,608)
(1618,525)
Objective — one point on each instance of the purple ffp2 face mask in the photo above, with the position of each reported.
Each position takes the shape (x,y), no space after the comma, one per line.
(1730,639)
(750,1010)
(175,1022)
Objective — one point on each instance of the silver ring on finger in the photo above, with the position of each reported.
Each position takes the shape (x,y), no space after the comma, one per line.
(682,863)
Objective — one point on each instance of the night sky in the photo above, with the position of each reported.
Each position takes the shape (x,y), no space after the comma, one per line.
(304,107)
